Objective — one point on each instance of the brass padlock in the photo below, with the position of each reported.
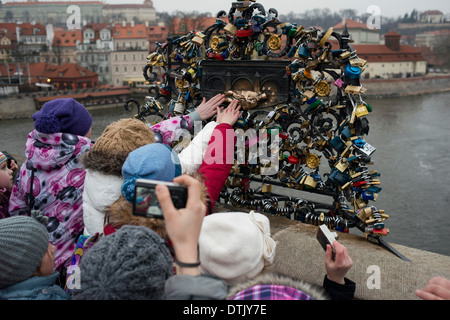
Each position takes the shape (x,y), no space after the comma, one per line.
(266,188)
(230,29)
(341,165)
(361,111)
(309,181)
(198,41)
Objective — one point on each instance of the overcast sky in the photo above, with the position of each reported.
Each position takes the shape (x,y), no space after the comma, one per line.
(388,8)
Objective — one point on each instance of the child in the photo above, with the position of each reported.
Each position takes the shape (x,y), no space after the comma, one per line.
(6,184)
(27,261)
(52,177)
(104,161)
(155,162)
(135,263)
(233,248)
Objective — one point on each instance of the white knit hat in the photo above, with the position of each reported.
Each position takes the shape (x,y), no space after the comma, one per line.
(235,245)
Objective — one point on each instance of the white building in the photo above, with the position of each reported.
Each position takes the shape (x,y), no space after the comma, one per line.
(94,51)
(359,32)
(391,60)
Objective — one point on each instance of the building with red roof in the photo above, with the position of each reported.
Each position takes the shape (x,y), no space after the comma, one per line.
(66,76)
(359,32)
(63,47)
(71,76)
(131,48)
(391,59)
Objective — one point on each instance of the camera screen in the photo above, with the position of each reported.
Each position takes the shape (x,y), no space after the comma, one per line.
(146,203)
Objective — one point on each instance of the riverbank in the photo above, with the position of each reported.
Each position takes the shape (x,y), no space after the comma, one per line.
(395,88)
(22,107)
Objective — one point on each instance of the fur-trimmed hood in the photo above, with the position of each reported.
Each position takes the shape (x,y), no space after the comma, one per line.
(107,163)
(272,278)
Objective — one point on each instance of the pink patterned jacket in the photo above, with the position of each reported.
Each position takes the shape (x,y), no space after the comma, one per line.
(58,182)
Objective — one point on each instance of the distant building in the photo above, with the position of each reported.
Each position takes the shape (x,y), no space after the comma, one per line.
(139,13)
(31,40)
(157,34)
(392,59)
(183,25)
(432,16)
(71,76)
(130,52)
(94,51)
(55,12)
(6,49)
(431,38)
(68,76)
(359,32)
(63,47)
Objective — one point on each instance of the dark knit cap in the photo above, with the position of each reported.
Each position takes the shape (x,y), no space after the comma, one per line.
(63,115)
(23,243)
(131,264)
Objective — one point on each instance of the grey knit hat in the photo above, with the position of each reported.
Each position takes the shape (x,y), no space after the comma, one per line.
(23,243)
(131,264)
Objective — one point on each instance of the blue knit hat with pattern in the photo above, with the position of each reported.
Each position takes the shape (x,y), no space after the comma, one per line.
(154,161)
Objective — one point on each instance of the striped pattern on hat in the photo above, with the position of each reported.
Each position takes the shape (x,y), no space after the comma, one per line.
(3,159)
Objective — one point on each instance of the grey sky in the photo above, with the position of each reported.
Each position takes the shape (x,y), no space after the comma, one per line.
(388,8)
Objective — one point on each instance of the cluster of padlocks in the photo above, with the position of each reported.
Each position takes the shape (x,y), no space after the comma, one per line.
(320,145)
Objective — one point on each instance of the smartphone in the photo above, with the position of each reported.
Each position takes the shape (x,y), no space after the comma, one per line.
(145,202)
(325,236)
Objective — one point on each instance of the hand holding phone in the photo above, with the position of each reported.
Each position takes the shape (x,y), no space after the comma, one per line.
(337,260)
(145,201)
(183,225)
(325,236)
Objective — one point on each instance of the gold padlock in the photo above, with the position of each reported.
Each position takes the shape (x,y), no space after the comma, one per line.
(361,111)
(230,29)
(358,62)
(197,40)
(341,166)
(266,188)
(309,181)
(322,88)
(274,42)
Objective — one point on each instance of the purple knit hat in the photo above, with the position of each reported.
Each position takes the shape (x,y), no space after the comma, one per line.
(63,115)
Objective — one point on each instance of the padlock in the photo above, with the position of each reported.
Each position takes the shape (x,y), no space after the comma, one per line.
(341,165)
(230,29)
(303,52)
(309,181)
(357,62)
(352,72)
(179,108)
(274,42)
(322,88)
(361,110)
(266,188)
(244,33)
(198,41)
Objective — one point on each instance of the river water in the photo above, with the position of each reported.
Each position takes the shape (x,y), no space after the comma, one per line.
(412,138)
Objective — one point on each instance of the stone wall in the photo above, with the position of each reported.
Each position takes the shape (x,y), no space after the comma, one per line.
(392,88)
(16,108)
